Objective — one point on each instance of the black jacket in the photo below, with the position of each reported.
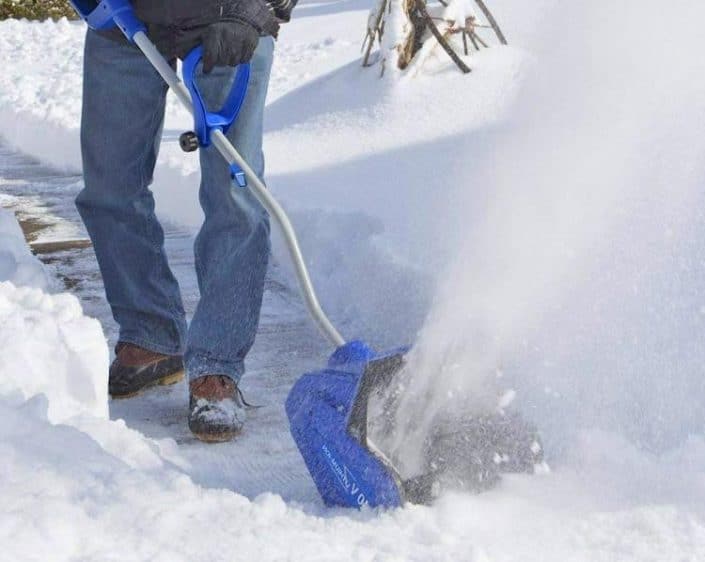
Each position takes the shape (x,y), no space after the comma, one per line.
(175,26)
(192,13)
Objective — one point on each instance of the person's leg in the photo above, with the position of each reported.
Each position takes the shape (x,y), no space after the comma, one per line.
(232,247)
(123,113)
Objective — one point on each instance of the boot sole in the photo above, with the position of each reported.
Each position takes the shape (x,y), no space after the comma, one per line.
(166,380)
(216,437)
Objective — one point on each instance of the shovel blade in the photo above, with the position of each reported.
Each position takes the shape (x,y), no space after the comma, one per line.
(327,413)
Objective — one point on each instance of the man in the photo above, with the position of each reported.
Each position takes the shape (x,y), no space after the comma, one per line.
(122,120)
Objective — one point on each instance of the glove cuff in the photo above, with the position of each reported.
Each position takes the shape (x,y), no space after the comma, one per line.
(257,13)
(282,8)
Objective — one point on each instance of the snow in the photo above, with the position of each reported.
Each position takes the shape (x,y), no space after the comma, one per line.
(314,151)
(546,228)
(76,485)
(17,264)
(49,346)
(82,502)
(579,243)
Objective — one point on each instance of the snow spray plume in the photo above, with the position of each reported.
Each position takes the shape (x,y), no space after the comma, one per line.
(592,188)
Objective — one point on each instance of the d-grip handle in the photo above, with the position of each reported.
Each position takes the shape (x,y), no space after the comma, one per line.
(205,122)
(222,119)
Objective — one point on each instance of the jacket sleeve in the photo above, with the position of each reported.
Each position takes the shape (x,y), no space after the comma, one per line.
(282,8)
(176,26)
(195,13)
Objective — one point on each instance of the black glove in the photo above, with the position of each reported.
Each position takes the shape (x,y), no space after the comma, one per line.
(228,43)
(228,30)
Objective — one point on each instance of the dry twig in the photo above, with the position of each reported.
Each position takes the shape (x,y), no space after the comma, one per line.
(375,31)
(479,40)
(493,22)
(421,6)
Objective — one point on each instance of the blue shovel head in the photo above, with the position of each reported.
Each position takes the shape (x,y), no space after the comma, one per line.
(327,413)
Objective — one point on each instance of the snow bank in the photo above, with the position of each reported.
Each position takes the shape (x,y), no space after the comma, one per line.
(83,503)
(40,98)
(65,498)
(17,264)
(49,346)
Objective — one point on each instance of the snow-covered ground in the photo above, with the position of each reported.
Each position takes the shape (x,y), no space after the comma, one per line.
(540,217)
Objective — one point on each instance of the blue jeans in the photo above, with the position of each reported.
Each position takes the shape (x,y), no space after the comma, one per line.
(122,120)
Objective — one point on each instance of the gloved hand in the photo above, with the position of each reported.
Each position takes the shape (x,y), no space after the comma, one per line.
(228,43)
(227,29)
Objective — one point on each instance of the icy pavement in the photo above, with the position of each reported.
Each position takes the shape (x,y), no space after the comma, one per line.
(264,458)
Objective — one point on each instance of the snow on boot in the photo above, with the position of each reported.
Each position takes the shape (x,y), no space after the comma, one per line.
(136,368)
(216,408)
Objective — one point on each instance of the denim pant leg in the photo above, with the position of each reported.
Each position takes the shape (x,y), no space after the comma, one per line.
(232,247)
(123,113)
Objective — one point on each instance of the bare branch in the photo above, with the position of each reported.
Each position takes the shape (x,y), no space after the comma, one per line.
(377,29)
(421,6)
(479,39)
(493,22)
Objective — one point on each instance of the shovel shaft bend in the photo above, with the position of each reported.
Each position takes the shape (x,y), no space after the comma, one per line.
(227,150)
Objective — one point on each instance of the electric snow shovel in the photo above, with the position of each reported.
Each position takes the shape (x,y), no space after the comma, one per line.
(327,410)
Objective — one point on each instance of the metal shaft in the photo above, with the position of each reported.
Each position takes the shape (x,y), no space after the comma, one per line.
(227,150)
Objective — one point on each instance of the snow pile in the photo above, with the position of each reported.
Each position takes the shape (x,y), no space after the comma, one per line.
(368,180)
(54,364)
(49,346)
(65,498)
(17,264)
(40,100)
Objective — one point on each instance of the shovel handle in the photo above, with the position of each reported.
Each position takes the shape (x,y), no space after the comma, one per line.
(109,13)
(206,122)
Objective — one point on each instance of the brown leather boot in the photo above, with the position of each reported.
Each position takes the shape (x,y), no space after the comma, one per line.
(135,369)
(216,408)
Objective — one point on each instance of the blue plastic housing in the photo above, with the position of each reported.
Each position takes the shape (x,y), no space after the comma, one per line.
(344,470)
(108,14)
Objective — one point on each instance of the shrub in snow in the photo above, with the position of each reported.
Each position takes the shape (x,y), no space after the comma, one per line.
(35,10)
(408,31)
